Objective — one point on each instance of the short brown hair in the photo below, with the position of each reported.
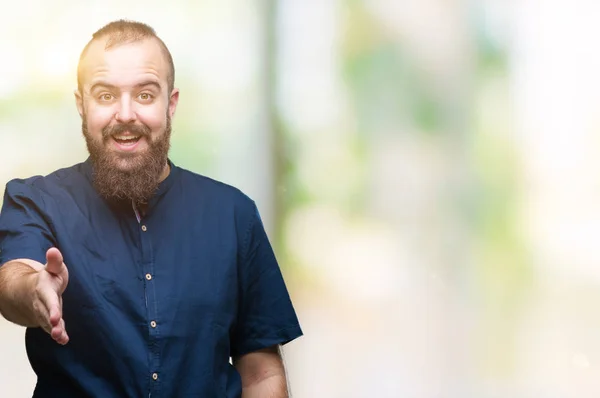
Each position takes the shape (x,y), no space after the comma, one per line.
(122,32)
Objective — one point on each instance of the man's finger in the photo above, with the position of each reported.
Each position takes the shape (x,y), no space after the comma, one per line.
(59,333)
(42,316)
(54,261)
(50,299)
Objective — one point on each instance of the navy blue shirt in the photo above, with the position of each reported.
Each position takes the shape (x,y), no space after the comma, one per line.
(156,303)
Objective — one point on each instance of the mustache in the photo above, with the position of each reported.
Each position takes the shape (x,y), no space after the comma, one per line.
(135,129)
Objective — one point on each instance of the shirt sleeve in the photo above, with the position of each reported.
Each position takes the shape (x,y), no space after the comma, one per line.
(266,316)
(24,229)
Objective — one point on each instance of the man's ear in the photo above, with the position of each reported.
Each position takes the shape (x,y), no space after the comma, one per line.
(79,102)
(173,101)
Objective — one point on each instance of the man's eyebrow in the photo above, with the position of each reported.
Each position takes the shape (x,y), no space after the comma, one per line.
(102,85)
(148,83)
(108,86)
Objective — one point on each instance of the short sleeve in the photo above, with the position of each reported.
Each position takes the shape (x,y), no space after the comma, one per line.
(266,316)
(24,230)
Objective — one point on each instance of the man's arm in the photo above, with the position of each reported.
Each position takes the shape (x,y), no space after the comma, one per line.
(262,373)
(17,281)
(31,293)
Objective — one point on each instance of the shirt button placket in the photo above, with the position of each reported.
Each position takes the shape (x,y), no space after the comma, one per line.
(153,323)
(148,275)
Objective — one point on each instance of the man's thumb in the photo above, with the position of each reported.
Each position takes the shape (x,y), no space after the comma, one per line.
(54,261)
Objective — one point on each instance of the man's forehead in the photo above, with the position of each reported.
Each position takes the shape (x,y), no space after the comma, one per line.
(124,58)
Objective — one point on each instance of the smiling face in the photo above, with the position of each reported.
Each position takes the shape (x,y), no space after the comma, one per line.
(126,111)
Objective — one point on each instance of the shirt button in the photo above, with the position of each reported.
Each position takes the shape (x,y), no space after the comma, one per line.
(153,324)
(155,376)
(144,228)
(148,276)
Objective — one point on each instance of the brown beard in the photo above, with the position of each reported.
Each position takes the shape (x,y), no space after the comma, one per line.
(140,180)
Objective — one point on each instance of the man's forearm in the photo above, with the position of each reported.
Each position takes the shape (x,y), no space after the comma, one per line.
(271,387)
(15,293)
(263,373)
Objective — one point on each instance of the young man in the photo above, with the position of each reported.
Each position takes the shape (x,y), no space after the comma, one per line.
(134,277)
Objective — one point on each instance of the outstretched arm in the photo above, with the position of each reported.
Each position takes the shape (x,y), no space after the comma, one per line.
(31,293)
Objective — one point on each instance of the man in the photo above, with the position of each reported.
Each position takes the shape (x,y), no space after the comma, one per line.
(134,277)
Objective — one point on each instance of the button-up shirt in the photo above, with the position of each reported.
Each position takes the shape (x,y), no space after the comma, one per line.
(157,302)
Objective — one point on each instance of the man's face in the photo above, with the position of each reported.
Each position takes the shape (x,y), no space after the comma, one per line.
(126,112)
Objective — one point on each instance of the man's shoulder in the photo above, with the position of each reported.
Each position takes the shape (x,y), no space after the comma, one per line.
(211,188)
(46,183)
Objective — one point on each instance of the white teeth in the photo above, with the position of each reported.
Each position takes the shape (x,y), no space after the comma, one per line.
(127,137)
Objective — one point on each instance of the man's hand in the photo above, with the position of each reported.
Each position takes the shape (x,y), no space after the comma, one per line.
(49,284)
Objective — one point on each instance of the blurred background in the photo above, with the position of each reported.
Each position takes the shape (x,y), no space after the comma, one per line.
(428,171)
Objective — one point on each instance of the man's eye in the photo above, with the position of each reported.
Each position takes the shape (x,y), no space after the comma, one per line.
(106,97)
(145,96)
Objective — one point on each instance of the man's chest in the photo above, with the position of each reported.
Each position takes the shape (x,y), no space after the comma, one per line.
(179,269)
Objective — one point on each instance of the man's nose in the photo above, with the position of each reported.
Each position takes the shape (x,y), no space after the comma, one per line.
(125,113)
